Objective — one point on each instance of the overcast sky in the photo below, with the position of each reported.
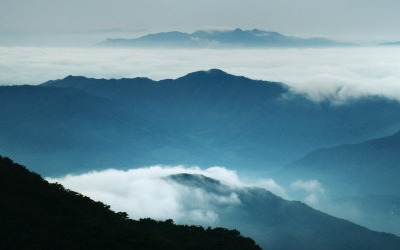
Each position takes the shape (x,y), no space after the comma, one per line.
(339,19)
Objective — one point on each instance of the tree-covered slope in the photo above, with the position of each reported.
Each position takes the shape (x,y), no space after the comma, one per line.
(35,214)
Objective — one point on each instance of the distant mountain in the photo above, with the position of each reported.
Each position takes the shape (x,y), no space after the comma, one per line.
(37,215)
(276,223)
(362,177)
(218,38)
(363,166)
(204,118)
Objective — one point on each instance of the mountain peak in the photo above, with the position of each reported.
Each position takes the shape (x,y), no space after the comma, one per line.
(197,180)
(213,73)
(68,81)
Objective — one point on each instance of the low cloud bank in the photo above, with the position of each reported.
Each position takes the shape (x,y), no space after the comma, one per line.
(148,192)
(152,192)
(329,73)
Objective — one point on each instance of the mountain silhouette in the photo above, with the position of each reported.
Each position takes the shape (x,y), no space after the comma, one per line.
(38,215)
(218,38)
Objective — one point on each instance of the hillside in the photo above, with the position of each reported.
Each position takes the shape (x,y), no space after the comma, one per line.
(204,118)
(365,165)
(361,177)
(276,223)
(37,215)
(236,38)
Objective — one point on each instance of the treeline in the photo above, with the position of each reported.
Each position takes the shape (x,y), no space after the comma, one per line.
(36,214)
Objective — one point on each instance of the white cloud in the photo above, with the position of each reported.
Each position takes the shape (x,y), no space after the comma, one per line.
(337,73)
(313,191)
(270,185)
(309,186)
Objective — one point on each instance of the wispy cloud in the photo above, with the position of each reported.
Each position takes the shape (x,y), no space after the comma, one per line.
(312,191)
(335,73)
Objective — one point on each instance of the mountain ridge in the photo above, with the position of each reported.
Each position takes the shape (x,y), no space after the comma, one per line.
(362,177)
(203,118)
(358,160)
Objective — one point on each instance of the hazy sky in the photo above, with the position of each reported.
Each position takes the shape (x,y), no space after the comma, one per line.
(339,19)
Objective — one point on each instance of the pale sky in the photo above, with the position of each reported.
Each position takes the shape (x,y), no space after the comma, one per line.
(354,20)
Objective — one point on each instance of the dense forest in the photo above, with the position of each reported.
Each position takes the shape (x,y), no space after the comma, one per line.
(35,214)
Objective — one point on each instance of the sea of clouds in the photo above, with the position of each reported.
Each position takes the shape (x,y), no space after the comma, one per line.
(319,73)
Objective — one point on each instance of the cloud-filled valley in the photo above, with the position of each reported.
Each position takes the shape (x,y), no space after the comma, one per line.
(148,192)
(333,73)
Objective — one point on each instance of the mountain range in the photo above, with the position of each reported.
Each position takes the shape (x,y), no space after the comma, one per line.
(37,214)
(221,39)
(204,118)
